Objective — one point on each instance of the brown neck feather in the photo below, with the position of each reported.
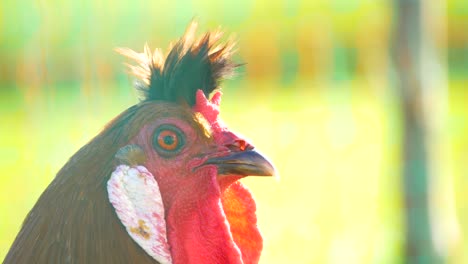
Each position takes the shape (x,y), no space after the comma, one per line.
(73,221)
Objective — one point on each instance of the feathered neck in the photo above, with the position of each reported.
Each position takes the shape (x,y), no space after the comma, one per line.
(73,221)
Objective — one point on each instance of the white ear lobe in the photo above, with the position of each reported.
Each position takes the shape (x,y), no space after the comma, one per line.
(135,195)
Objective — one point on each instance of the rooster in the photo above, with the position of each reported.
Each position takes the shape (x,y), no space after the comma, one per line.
(160,183)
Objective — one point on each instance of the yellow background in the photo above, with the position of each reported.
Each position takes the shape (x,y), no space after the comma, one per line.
(315,96)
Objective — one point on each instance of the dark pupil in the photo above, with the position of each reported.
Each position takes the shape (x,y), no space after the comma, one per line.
(168,140)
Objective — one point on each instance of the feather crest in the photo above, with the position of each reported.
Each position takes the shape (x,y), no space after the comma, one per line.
(191,64)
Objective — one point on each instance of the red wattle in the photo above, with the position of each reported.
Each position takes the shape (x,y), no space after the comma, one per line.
(239,208)
(198,231)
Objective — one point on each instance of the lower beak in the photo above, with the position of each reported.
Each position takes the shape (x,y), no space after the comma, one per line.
(243,163)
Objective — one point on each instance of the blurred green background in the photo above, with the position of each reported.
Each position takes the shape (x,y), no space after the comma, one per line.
(315,95)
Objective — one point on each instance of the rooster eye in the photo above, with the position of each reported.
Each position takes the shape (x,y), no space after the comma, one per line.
(168,140)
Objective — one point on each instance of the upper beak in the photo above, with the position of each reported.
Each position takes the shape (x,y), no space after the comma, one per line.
(243,163)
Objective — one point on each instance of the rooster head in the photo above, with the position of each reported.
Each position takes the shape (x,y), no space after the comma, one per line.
(182,165)
(160,183)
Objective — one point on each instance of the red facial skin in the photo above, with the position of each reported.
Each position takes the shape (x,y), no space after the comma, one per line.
(209,218)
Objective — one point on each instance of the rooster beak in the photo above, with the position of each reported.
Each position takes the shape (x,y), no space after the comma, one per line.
(243,163)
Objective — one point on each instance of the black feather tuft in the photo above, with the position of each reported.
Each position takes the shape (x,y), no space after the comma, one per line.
(191,64)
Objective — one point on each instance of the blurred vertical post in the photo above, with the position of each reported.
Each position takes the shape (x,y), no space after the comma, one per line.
(413,50)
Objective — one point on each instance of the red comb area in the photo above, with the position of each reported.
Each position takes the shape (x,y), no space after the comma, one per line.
(209,108)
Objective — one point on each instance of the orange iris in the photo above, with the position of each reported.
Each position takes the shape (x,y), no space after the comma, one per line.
(168,140)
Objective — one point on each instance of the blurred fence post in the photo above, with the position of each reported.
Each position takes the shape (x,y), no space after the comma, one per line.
(409,51)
